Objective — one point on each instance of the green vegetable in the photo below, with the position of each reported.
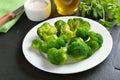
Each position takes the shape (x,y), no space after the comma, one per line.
(76,23)
(40,45)
(72,38)
(79,49)
(59,25)
(63,28)
(37,43)
(107,24)
(46,31)
(76,39)
(83,33)
(57,56)
(92,10)
(95,41)
(51,43)
(115,14)
(54,43)
(61,41)
(94,45)
(105,11)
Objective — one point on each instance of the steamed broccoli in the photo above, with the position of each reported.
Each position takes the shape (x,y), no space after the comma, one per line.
(61,41)
(63,28)
(95,41)
(40,45)
(51,43)
(44,48)
(79,49)
(37,43)
(72,38)
(75,23)
(57,56)
(46,31)
(82,32)
(59,25)
(77,39)
(54,43)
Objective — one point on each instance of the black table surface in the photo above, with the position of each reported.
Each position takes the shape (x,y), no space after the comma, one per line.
(14,66)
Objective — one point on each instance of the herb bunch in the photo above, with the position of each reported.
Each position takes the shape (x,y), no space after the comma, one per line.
(105,11)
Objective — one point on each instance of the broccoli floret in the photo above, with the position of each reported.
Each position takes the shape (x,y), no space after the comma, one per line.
(51,43)
(100,39)
(57,56)
(46,31)
(61,41)
(37,43)
(64,37)
(63,28)
(44,48)
(47,45)
(59,25)
(94,45)
(75,23)
(95,41)
(55,43)
(66,30)
(76,39)
(79,49)
(40,45)
(90,52)
(83,33)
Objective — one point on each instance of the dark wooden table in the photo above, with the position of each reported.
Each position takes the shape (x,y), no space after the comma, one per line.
(14,66)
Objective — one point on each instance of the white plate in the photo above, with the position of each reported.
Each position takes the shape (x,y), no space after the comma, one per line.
(37,60)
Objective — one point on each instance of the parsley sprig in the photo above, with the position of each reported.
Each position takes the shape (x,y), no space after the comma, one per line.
(105,11)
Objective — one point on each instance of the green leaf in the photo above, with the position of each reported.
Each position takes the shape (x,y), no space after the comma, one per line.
(102,9)
(105,23)
(95,13)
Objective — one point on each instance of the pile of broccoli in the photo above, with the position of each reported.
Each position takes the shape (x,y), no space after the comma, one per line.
(72,38)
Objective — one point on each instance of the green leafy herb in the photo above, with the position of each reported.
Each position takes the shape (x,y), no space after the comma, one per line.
(107,24)
(103,10)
